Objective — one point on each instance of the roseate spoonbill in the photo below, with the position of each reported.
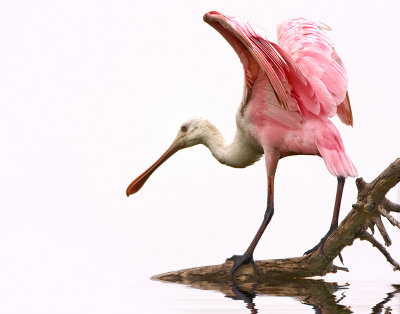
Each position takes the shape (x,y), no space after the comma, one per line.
(290,92)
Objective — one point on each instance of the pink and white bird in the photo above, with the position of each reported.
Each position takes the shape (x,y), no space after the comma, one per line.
(290,92)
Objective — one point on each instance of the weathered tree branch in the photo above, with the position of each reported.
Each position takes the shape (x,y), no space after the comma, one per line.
(390,206)
(379,307)
(368,237)
(381,227)
(389,217)
(370,207)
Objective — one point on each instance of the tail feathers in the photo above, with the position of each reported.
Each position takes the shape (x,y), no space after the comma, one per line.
(337,161)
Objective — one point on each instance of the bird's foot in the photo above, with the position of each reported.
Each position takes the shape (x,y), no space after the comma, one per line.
(321,244)
(240,260)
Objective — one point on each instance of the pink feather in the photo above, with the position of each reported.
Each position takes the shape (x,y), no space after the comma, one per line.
(291,90)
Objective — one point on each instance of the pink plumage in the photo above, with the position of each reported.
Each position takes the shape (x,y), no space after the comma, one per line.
(313,52)
(291,90)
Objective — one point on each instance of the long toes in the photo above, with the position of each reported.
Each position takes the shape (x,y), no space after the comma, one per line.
(240,260)
(309,251)
(255,267)
(233,257)
(312,250)
(235,267)
(319,246)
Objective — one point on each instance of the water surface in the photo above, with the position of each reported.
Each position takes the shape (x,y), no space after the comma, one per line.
(294,296)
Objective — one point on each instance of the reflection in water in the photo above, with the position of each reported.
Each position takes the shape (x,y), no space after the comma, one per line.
(318,294)
(247,297)
(380,307)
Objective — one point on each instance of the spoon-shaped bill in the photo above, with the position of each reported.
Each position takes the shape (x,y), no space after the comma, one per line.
(140,180)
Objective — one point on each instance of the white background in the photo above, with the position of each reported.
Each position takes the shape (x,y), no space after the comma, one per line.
(92,92)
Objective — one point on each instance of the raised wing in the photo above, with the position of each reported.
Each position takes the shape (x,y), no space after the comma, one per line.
(307,45)
(293,91)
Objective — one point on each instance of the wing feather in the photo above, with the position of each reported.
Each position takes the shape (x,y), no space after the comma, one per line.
(344,111)
(307,44)
(305,72)
(292,89)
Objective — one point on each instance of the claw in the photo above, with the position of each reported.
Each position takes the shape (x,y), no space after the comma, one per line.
(314,249)
(240,260)
(320,246)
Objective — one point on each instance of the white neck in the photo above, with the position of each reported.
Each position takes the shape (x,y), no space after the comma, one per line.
(239,153)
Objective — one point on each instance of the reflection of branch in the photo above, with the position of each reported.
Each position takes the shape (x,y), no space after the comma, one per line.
(316,293)
(343,296)
(377,309)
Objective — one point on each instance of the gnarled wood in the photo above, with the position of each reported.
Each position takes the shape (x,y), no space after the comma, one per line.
(371,203)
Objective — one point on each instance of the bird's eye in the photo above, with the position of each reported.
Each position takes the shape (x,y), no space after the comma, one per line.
(184,128)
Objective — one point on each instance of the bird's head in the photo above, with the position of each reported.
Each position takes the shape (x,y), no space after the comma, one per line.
(192,132)
(195,131)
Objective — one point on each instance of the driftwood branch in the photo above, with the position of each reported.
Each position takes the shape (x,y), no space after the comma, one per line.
(368,237)
(389,217)
(371,205)
(390,206)
(381,227)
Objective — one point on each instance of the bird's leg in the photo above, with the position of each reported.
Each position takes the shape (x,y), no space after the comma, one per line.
(335,218)
(247,257)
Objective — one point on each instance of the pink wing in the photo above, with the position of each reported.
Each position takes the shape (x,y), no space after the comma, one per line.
(294,93)
(291,94)
(307,45)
